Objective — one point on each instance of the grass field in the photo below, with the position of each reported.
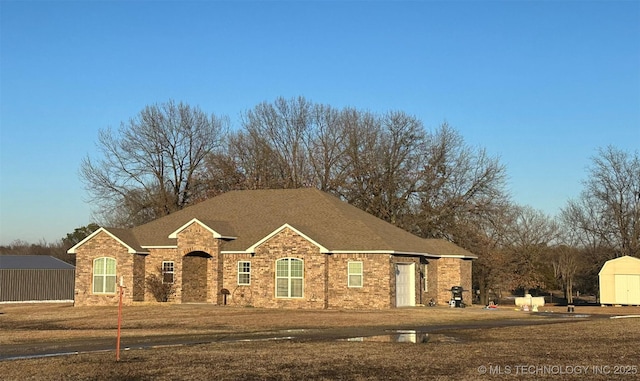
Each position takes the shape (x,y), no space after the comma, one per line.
(463,344)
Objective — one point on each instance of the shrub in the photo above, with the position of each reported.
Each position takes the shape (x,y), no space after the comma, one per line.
(161,291)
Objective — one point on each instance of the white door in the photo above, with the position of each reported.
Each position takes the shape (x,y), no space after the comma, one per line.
(627,289)
(405,285)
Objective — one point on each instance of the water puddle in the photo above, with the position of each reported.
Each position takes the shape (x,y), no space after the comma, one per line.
(406,336)
(624,316)
(562,315)
(266,339)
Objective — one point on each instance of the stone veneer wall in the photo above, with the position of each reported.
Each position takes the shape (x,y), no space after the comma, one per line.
(240,295)
(154,266)
(102,245)
(376,287)
(453,272)
(139,284)
(432,281)
(466,280)
(261,293)
(196,238)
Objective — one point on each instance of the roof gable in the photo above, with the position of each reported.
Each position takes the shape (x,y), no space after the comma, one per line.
(253,247)
(207,226)
(629,263)
(122,236)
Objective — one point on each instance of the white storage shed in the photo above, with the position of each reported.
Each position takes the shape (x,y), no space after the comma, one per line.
(620,281)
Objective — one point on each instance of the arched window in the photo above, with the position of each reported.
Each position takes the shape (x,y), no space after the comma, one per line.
(104,275)
(289,278)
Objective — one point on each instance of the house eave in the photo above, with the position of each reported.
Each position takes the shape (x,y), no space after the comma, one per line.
(407,253)
(253,247)
(130,250)
(174,234)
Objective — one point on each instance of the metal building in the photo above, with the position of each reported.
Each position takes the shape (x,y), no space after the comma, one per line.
(35,278)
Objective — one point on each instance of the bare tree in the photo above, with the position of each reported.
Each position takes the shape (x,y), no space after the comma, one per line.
(530,236)
(55,249)
(257,161)
(583,218)
(607,214)
(151,166)
(282,127)
(484,236)
(382,160)
(458,183)
(326,146)
(566,261)
(223,174)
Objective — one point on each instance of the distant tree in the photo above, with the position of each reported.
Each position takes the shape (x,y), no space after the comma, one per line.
(566,262)
(54,249)
(223,174)
(78,235)
(381,162)
(484,238)
(325,144)
(530,236)
(256,161)
(278,130)
(458,183)
(17,247)
(152,165)
(286,144)
(607,213)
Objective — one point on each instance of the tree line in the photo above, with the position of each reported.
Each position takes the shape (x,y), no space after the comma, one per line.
(429,182)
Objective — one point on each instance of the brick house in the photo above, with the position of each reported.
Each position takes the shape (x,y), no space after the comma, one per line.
(294,248)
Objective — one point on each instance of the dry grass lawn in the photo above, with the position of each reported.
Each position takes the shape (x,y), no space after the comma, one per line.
(608,348)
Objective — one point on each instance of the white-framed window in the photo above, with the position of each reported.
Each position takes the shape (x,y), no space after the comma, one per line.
(104,275)
(289,278)
(168,271)
(355,274)
(244,273)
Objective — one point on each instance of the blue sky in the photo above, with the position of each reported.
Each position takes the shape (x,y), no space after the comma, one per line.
(541,84)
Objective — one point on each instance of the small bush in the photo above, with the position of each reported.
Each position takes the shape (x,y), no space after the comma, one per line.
(161,291)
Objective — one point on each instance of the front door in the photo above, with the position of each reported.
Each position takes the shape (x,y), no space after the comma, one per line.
(405,285)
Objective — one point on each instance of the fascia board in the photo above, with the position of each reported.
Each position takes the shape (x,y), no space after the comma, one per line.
(174,235)
(130,249)
(253,247)
(394,252)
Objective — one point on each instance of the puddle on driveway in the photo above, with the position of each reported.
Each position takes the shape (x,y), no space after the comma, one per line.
(406,336)
(562,315)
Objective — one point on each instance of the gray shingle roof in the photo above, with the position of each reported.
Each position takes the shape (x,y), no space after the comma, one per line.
(251,215)
(32,262)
